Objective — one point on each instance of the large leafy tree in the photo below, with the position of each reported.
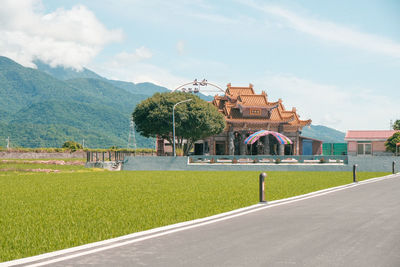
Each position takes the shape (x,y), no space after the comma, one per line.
(194,120)
(392,141)
(396,125)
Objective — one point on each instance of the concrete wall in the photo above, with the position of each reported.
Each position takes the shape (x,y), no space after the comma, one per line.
(367,163)
(351,147)
(378,146)
(40,155)
(372,163)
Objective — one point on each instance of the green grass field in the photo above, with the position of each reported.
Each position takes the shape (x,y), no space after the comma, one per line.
(14,166)
(43,212)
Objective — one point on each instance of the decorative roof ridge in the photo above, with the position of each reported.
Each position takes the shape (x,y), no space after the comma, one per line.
(307,122)
(291,118)
(227,111)
(250,120)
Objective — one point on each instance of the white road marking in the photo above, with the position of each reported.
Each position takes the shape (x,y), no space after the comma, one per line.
(169,229)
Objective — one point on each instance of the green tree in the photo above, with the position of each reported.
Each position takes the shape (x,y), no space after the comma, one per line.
(392,141)
(72,145)
(194,120)
(396,125)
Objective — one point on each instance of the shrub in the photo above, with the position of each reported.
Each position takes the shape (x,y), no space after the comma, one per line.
(179,152)
(390,144)
(72,145)
(322,160)
(278,160)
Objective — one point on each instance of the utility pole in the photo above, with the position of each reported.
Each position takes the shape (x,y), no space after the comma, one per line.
(83,143)
(8,143)
(131,136)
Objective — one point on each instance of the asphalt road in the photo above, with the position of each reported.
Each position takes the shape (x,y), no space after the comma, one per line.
(358,226)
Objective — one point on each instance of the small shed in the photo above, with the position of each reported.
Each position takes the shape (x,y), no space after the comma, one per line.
(368,142)
(310,146)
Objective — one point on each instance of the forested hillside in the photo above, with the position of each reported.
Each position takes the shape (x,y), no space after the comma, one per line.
(45,109)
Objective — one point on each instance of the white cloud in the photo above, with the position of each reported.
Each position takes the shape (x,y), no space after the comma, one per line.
(69,38)
(134,67)
(329,31)
(125,58)
(343,108)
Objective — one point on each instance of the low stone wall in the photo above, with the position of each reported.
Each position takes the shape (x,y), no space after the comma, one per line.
(41,155)
(108,165)
(383,164)
(375,163)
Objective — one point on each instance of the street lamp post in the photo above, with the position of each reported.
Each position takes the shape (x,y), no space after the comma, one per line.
(173,122)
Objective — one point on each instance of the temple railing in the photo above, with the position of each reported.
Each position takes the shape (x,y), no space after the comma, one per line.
(268,159)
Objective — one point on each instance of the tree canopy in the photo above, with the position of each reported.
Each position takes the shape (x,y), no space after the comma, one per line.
(194,120)
(392,141)
(396,125)
(72,145)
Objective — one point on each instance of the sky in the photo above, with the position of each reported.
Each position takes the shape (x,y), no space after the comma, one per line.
(337,62)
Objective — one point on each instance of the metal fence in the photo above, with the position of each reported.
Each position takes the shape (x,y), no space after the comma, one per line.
(334,149)
(343,159)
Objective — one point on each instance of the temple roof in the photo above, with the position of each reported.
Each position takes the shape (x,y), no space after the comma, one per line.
(243,105)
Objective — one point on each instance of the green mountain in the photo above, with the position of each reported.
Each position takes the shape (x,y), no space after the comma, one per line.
(38,109)
(21,87)
(145,88)
(139,88)
(326,134)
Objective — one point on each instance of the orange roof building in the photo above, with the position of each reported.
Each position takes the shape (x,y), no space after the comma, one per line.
(247,112)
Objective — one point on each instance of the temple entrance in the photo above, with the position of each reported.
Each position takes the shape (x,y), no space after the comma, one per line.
(289,149)
(252,149)
(236,143)
(220,148)
(273,145)
(198,149)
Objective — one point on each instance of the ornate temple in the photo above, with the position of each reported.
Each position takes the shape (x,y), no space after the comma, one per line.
(247,112)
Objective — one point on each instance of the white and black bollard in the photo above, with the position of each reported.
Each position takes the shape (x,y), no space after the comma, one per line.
(355,173)
(263,175)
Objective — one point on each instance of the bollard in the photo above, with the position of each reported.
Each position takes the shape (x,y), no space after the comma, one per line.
(263,175)
(393,163)
(355,173)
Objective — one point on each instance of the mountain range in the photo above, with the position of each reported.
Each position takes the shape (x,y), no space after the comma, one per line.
(47,106)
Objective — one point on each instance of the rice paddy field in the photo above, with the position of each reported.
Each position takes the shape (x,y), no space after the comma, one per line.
(46,211)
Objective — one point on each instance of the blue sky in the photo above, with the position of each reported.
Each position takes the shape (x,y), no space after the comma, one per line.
(337,62)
